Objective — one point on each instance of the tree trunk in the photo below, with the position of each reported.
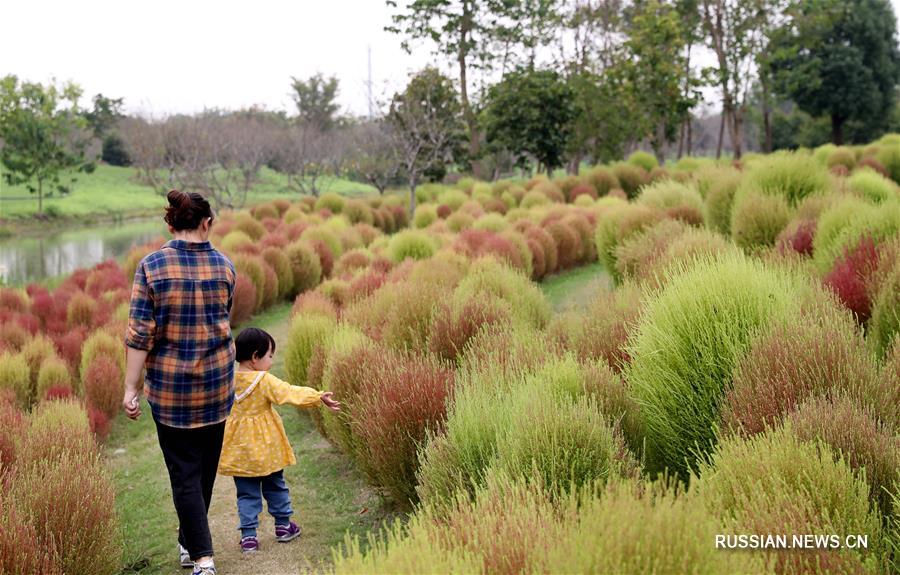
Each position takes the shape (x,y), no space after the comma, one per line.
(40,197)
(721,133)
(767,118)
(690,136)
(681,132)
(471,120)
(837,130)
(412,197)
(737,122)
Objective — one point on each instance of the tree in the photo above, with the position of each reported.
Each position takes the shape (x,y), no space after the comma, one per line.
(838,58)
(316,103)
(472,33)
(734,29)
(530,113)
(656,70)
(428,125)
(374,156)
(308,155)
(103,119)
(44,134)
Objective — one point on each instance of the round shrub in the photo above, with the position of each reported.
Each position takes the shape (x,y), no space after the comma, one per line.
(12,336)
(326,236)
(244,300)
(281,264)
(236,241)
(459,221)
(791,176)
(617,224)
(357,212)
(305,266)
(681,200)
(101,344)
(452,198)
(798,237)
(38,349)
(425,215)
(251,267)
(851,275)
(841,157)
(562,444)
(53,373)
(644,160)
(250,226)
(776,483)
(757,219)
(719,200)
(348,357)
(636,257)
(56,428)
(488,278)
(307,331)
(567,242)
(872,186)
(534,198)
(330,201)
(413,244)
(630,527)
(14,377)
(582,189)
(884,325)
(409,317)
(399,406)
(81,311)
(602,180)
(264,211)
(103,386)
(455,323)
(788,363)
(687,343)
(855,435)
(630,178)
(837,234)
(71,502)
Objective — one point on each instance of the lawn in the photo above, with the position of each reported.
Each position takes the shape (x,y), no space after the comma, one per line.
(112,191)
(329,493)
(576,288)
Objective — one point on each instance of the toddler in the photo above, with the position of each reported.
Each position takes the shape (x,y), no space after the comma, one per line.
(256,449)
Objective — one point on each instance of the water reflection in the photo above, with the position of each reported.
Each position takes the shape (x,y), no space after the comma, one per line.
(26,260)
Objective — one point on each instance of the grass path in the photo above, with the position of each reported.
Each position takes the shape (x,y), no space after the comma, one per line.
(330,496)
(575,289)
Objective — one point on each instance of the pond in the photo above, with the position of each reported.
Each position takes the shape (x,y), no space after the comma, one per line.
(60,252)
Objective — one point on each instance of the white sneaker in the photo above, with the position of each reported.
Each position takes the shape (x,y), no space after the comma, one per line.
(184,557)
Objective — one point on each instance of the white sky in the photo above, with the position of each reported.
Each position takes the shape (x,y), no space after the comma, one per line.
(171,56)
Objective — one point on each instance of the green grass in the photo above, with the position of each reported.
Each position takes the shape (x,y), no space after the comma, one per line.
(330,494)
(115,192)
(575,288)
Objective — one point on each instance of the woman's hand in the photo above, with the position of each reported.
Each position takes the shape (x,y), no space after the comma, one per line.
(132,404)
(329,401)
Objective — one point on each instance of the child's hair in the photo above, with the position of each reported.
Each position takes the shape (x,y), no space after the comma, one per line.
(253,341)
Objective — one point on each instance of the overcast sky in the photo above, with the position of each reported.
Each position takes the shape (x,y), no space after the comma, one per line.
(181,56)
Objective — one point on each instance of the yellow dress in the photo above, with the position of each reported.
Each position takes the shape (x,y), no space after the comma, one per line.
(255,444)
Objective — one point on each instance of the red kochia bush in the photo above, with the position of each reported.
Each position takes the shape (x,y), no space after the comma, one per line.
(326,257)
(849,278)
(788,364)
(365,285)
(454,324)
(582,190)
(538,259)
(99,423)
(12,425)
(444,211)
(12,335)
(568,244)
(103,385)
(798,237)
(68,345)
(244,301)
(400,403)
(72,501)
(13,300)
(107,276)
(19,552)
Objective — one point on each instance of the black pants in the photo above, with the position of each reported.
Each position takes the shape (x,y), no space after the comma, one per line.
(192,457)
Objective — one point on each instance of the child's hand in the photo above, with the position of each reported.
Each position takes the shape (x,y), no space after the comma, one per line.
(329,402)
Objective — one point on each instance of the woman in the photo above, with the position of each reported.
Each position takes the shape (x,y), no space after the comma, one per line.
(179,329)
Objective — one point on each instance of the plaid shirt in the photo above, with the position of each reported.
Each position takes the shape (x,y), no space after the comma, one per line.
(180,306)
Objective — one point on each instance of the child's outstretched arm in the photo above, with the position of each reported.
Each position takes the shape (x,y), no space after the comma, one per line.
(283,393)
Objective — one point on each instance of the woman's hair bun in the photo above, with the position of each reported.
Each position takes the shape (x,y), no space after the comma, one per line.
(186,210)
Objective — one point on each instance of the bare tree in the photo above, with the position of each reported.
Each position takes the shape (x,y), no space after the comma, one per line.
(374,155)
(308,156)
(427,123)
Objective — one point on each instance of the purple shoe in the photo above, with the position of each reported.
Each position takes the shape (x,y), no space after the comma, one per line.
(249,544)
(285,533)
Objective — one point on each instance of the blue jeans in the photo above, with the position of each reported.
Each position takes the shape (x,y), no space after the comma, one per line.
(250,493)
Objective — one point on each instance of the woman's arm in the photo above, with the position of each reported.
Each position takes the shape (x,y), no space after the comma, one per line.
(134,365)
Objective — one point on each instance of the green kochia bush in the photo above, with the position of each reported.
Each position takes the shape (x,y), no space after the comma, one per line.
(541,426)
(791,176)
(872,186)
(681,201)
(307,331)
(511,526)
(687,343)
(411,244)
(839,232)
(775,483)
(757,218)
